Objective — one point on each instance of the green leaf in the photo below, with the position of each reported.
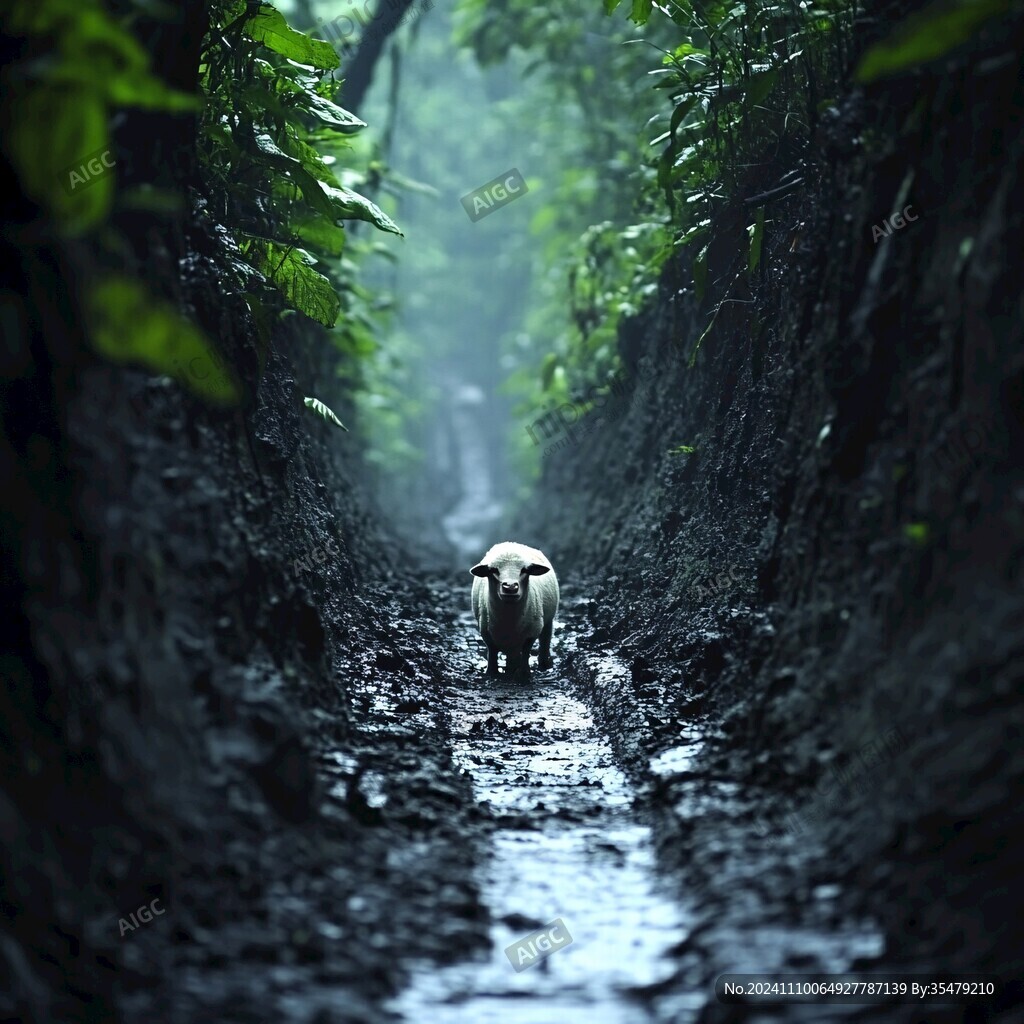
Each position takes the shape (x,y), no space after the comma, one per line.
(349,205)
(681,110)
(683,449)
(610,5)
(147,92)
(128,325)
(311,189)
(641,11)
(330,113)
(321,235)
(756,232)
(96,54)
(310,159)
(60,149)
(269,28)
(760,85)
(682,51)
(692,233)
(926,35)
(667,160)
(290,271)
(547,371)
(321,410)
(81,28)
(131,87)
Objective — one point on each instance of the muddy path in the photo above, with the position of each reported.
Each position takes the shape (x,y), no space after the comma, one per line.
(575,799)
(565,839)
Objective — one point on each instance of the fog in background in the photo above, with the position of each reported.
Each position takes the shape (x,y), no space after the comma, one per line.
(444,421)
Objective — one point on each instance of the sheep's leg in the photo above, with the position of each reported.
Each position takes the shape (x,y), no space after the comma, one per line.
(544,657)
(492,657)
(492,662)
(522,669)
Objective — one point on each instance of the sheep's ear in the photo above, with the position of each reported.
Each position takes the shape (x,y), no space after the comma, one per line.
(483,569)
(536,569)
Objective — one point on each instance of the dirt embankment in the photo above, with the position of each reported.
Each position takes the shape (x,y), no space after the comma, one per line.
(832,575)
(193,650)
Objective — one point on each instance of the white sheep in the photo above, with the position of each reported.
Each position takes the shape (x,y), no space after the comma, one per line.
(515,598)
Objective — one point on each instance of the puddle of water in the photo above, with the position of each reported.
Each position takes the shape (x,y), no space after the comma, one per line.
(566,846)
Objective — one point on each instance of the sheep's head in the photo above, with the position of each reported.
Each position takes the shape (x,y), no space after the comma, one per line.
(509,576)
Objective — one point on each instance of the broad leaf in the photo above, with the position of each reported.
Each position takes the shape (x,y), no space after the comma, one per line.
(290,271)
(349,205)
(330,113)
(926,35)
(69,167)
(147,92)
(121,86)
(321,234)
(269,28)
(760,85)
(310,159)
(311,189)
(641,11)
(681,110)
(128,325)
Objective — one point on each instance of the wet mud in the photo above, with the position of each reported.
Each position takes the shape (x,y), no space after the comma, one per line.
(565,839)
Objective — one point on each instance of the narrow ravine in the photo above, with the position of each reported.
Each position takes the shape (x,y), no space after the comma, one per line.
(567,843)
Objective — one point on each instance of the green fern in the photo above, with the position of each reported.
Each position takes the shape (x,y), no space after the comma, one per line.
(267,119)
